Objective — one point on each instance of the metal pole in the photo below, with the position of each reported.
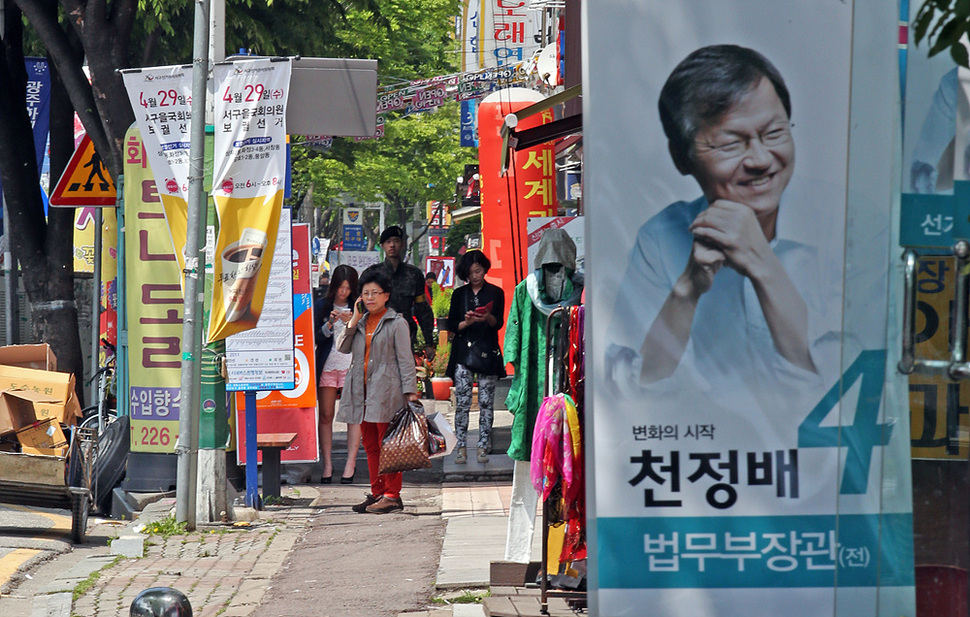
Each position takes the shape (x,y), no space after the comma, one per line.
(121,359)
(96,303)
(10,305)
(188,443)
(252,434)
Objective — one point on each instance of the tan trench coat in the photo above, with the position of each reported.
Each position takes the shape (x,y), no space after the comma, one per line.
(390,372)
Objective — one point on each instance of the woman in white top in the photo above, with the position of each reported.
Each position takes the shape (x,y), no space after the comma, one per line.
(331,316)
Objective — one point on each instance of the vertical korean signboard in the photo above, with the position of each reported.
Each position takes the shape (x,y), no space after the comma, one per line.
(154,308)
(526,189)
(497,33)
(261,359)
(247,185)
(294,410)
(748,433)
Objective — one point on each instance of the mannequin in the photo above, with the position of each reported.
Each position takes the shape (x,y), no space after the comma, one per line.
(553,283)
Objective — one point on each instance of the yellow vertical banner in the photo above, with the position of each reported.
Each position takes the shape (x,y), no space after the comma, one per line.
(247,186)
(154,304)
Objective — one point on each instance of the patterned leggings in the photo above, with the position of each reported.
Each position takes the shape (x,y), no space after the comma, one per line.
(463,402)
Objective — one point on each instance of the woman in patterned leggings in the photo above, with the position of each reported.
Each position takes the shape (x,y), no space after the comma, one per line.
(476,316)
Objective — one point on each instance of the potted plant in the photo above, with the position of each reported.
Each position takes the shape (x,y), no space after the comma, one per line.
(440,306)
(440,384)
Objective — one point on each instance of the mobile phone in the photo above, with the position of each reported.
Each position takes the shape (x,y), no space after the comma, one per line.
(482,310)
(360,307)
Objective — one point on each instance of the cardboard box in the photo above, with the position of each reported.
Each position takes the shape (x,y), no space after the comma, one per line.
(40,357)
(43,437)
(51,385)
(18,408)
(30,371)
(66,413)
(16,411)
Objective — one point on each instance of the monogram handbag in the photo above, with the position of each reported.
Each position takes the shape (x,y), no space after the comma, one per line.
(405,444)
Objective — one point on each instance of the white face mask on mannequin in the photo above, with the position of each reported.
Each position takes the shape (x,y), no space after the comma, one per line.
(555,280)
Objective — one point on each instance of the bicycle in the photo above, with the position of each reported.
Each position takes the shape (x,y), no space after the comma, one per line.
(101,413)
(111,434)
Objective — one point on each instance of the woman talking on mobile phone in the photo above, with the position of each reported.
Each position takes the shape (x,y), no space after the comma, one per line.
(331,315)
(476,316)
(380,381)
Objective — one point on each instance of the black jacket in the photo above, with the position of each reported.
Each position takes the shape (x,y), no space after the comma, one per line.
(464,300)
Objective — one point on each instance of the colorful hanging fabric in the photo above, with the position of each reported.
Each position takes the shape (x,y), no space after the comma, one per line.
(557,451)
(576,363)
(547,435)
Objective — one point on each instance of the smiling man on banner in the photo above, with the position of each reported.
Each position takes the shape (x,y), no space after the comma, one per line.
(247,185)
(719,289)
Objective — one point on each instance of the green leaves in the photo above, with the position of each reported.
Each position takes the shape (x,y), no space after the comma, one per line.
(943,23)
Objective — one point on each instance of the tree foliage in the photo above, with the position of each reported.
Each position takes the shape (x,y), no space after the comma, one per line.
(417,160)
(943,23)
(419,157)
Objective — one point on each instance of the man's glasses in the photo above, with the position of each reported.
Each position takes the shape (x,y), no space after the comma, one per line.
(773,136)
(372,294)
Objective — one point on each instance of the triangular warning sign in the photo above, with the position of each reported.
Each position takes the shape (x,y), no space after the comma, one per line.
(85,181)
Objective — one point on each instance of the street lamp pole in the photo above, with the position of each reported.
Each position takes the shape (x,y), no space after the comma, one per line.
(188,442)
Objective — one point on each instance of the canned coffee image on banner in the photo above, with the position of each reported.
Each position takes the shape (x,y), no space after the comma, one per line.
(241,262)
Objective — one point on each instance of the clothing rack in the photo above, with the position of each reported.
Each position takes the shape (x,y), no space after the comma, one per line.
(555,384)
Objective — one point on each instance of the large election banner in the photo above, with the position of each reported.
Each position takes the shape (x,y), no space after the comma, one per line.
(748,431)
(247,185)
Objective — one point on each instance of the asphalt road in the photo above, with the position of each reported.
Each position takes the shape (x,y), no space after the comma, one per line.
(29,536)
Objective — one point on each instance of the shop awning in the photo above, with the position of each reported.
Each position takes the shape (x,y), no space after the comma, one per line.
(465,213)
(539,134)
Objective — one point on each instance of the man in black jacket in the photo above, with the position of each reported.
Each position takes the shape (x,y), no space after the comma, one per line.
(407,287)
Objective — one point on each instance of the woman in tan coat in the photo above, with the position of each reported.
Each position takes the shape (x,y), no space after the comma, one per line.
(380,381)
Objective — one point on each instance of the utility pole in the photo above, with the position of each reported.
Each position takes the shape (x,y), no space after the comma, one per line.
(10,304)
(188,443)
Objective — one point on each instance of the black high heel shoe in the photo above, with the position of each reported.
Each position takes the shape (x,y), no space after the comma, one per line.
(348,479)
(326,479)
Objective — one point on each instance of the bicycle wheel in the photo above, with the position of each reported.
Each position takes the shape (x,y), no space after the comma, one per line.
(91,419)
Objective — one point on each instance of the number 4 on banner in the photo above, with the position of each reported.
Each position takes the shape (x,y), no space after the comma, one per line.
(865,433)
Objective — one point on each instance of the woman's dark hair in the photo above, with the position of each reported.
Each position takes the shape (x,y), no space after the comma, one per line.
(469,259)
(708,83)
(342,273)
(377,277)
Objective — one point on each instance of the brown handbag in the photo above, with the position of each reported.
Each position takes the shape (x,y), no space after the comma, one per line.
(405,443)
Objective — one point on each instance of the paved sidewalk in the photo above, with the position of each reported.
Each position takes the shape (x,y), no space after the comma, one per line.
(222,569)
(478,515)
(227,570)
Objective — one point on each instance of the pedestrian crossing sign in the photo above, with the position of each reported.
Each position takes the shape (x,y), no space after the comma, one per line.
(85,181)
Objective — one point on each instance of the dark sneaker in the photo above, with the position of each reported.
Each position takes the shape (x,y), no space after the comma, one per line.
(362,506)
(385,505)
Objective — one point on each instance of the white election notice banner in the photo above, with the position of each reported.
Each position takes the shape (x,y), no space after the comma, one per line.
(161,98)
(749,433)
(262,358)
(247,186)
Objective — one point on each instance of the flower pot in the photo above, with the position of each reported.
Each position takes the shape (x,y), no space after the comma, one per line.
(441,387)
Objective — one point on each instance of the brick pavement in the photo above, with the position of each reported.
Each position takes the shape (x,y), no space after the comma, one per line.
(223,570)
